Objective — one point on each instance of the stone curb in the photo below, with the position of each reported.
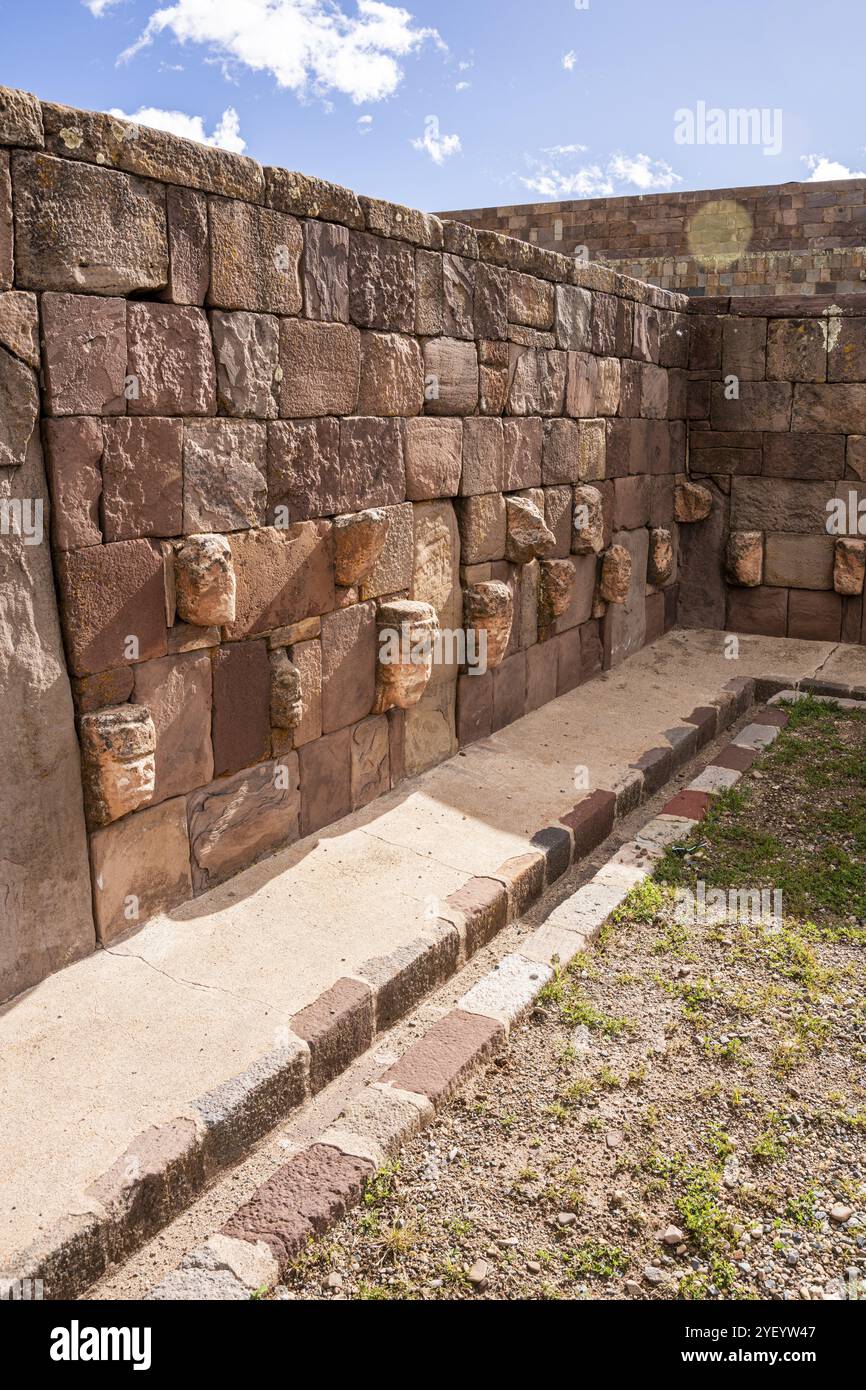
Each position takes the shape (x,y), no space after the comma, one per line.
(151,1184)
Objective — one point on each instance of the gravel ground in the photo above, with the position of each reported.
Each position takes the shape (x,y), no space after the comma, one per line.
(684,1113)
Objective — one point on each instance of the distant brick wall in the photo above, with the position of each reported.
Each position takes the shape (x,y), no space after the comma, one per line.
(796,238)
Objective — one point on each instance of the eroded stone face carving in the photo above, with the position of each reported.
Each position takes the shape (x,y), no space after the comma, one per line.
(488,607)
(744,558)
(587,532)
(527,536)
(119,771)
(205,581)
(406,635)
(691,501)
(358,542)
(615,575)
(557,583)
(287,704)
(660,563)
(849,565)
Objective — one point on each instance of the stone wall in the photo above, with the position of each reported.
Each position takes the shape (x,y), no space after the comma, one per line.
(777,399)
(281,421)
(789,239)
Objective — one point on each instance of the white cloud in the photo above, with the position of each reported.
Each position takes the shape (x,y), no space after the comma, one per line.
(823,168)
(365,125)
(98,7)
(552,179)
(569,60)
(226,133)
(439,147)
(463,86)
(306,45)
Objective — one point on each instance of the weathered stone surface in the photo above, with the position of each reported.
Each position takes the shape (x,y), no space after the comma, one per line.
(303,468)
(109,595)
(358,541)
(700,564)
(482,527)
(224,475)
(326,271)
(7,259)
(395,220)
(537,381)
(372,473)
(483,457)
(326,780)
(660,560)
(141,478)
(348,665)
(20,119)
(405,632)
(176,690)
(846,355)
(436,572)
(205,584)
(760,405)
(392,375)
(241,728)
(775,504)
(582,385)
(19,408)
(615,578)
(234,822)
(799,562)
(587,536)
(433,451)
(744,345)
(74,454)
(140,867)
(170,359)
(838,408)
(450,376)
(814,617)
(247,358)
(321,365)
(429,293)
(289,191)
(287,706)
(572,324)
(492,390)
(523,442)
(489,611)
(392,571)
(744,558)
(527,535)
(83,228)
(561,459)
(591,450)
(624,624)
(306,657)
(370,767)
(797,350)
(283,576)
(85,354)
(653,392)
(255,258)
(188,246)
(458,286)
(491,301)
(117,761)
(557,584)
(381,283)
(692,502)
(19,326)
(430,734)
(608,389)
(849,566)
(802,456)
(530,301)
(44,871)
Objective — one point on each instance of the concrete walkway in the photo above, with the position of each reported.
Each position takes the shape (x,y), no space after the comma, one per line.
(127,1038)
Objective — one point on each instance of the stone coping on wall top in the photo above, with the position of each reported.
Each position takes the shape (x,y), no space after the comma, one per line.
(95,137)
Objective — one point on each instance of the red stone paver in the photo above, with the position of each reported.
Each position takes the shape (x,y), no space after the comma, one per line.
(436,1064)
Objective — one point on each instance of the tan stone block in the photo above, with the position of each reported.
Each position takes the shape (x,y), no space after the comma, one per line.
(224,475)
(170,366)
(321,365)
(482,527)
(381,283)
(588,521)
(140,867)
(205,584)
(246,347)
(177,690)
(523,442)
(450,376)
(326,271)
(392,375)
(255,258)
(370,765)
(433,451)
(117,759)
(283,576)
(692,502)
(483,457)
(392,572)
(358,541)
(799,562)
(849,566)
(303,469)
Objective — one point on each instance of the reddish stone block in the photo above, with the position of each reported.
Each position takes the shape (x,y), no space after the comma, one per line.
(372,472)
(112,601)
(437,1063)
(631,506)
(483,905)
(555,843)
(255,258)
(474,707)
(656,765)
(397,745)
(744,348)
(802,456)
(241,706)
(655,617)
(337,1027)
(326,271)
(283,576)
(326,780)
(687,803)
(733,756)
(303,468)
(762,610)
(815,615)
(706,718)
(523,440)
(777,717)
(73,452)
(188,246)
(224,475)
(591,821)
(401,980)
(371,773)
(84,354)
(743,690)
(321,366)
(591,649)
(349,647)
(569,668)
(542,669)
(381,283)
(170,360)
(142,489)
(509,690)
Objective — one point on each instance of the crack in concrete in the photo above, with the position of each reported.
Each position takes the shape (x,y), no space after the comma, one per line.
(192,984)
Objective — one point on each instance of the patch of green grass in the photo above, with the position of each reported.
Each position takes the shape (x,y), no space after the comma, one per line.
(801,1210)
(643,903)
(594,1259)
(380,1187)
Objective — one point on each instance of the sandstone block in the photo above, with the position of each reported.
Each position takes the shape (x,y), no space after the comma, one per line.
(483,457)
(839,408)
(624,624)
(224,475)
(372,472)
(303,469)
(523,442)
(482,525)
(117,761)
(647,333)
(572,318)
(814,617)
(849,566)
(85,354)
(177,692)
(509,691)
(392,571)
(744,348)
(7,259)
(489,610)
(433,452)
(20,119)
(19,326)
(392,375)
(283,576)
(587,521)
(74,457)
(653,392)
(112,605)
(491,301)
(561,458)
(370,764)
(306,196)
(381,283)
(169,361)
(615,577)
(255,258)
(348,665)
(19,409)
(774,504)
(84,228)
(591,450)
(358,541)
(234,822)
(760,405)
(406,634)
(458,286)
(660,561)
(241,706)
(326,780)
(803,456)
(140,867)
(527,535)
(326,271)
(797,350)
(538,381)
(429,293)
(758,610)
(436,569)
(846,356)
(744,558)
(321,364)
(450,376)
(530,301)
(142,491)
(188,246)
(205,584)
(608,385)
(247,358)
(799,562)
(692,502)
(306,657)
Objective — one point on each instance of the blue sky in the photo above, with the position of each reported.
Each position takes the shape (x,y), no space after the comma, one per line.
(464,103)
